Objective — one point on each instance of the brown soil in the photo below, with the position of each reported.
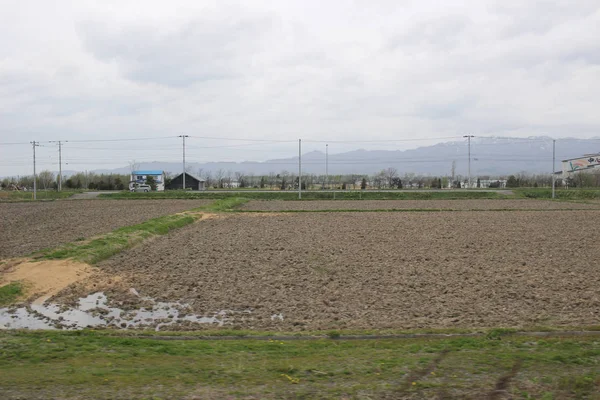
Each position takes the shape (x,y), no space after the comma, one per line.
(29,227)
(375,270)
(44,278)
(313,205)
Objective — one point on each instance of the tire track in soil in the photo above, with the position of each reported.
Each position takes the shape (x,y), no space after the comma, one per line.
(503,383)
(417,375)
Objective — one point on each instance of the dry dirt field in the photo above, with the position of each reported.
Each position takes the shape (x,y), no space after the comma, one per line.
(372,270)
(524,204)
(27,227)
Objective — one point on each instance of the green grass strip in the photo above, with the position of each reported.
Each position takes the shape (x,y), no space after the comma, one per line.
(88,365)
(224,205)
(561,194)
(19,196)
(9,293)
(105,246)
(310,195)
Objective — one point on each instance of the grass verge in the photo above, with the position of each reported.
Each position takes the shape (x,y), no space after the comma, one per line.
(9,293)
(224,205)
(313,195)
(90,365)
(561,194)
(105,246)
(6,195)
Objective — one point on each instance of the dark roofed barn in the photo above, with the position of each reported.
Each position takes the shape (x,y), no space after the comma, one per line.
(191,182)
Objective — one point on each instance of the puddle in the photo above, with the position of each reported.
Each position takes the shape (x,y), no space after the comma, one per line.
(93,311)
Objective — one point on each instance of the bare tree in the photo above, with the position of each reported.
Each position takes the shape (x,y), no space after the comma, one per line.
(390,174)
(134,166)
(272,179)
(228,178)
(284,175)
(219,177)
(46,178)
(239,178)
(208,178)
(250,180)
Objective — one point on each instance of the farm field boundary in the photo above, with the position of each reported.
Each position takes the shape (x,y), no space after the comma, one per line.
(93,365)
(100,248)
(77,256)
(409,210)
(561,194)
(311,195)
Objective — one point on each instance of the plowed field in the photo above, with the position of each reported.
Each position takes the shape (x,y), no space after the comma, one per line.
(374,270)
(28,227)
(279,205)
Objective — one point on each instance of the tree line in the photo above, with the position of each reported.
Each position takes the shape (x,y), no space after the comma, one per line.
(48,180)
(389,178)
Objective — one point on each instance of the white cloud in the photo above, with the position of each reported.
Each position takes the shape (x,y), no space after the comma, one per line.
(310,69)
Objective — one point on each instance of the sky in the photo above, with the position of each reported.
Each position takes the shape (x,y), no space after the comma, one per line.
(142,73)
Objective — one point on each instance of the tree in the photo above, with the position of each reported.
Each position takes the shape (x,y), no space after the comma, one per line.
(379,179)
(46,178)
(262,182)
(219,178)
(439,183)
(168,178)
(512,182)
(119,184)
(133,166)
(208,178)
(396,182)
(390,174)
(284,174)
(363,183)
(239,178)
(151,182)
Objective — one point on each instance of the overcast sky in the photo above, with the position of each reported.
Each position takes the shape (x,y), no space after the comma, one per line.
(283,70)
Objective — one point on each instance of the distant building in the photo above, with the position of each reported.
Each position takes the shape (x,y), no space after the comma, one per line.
(484,183)
(191,182)
(140,177)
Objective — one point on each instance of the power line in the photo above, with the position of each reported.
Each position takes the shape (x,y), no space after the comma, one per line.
(382,141)
(120,140)
(242,139)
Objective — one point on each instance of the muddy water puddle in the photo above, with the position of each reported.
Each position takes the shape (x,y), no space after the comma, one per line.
(93,311)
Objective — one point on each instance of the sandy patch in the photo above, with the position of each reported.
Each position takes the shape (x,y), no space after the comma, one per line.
(45,278)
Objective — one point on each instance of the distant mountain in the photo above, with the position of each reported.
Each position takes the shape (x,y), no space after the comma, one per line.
(489,156)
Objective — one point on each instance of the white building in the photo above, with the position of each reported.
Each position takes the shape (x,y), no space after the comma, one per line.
(141,176)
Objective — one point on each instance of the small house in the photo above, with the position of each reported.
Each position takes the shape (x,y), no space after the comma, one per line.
(141,177)
(191,182)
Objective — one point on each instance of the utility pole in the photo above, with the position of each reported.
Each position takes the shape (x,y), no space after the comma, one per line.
(59,163)
(183,174)
(34,144)
(553,166)
(327,165)
(469,137)
(299,169)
